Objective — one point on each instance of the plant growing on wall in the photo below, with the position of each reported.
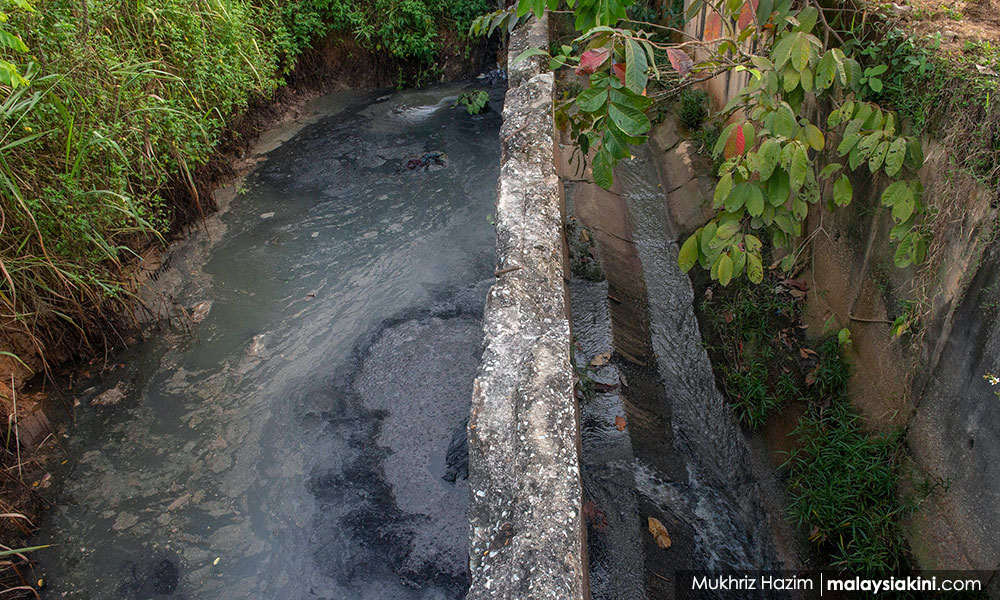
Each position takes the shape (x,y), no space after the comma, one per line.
(778,164)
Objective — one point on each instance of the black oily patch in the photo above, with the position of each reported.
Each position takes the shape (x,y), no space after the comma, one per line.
(155,576)
(379,532)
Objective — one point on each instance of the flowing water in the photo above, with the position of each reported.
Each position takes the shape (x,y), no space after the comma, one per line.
(293,443)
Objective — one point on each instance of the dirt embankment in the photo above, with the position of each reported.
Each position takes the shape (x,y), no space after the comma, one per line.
(27,368)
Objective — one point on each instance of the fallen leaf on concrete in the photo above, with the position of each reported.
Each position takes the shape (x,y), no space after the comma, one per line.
(601,359)
(620,423)
(659,532)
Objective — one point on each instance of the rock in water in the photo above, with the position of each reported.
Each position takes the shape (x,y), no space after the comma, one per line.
(457,458)
(112,396)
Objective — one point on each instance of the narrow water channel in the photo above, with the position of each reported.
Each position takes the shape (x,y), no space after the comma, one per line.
(293,444)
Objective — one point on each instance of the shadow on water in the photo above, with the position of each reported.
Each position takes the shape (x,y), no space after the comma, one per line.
(294,445)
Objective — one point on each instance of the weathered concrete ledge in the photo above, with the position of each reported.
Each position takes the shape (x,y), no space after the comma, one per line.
(527,529)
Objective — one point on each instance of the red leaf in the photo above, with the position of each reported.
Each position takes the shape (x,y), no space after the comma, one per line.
(619,70)
(620,423)
(591,60)
(713,27)
(736,143)
(681,62)
(747,13)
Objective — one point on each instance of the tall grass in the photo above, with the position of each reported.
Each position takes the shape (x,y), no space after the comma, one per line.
(125,101)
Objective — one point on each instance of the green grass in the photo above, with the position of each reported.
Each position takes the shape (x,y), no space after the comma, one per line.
(126,101)
(748,326)
(842,482)
(843,485)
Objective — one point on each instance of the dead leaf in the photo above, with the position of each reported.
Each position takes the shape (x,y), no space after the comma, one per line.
(811,376)
(728,316)
(806,352)
(584,236)
(659,532)
(620,423)
(797,293)
(680,61)
(796,283)
(601,359)
(621,378)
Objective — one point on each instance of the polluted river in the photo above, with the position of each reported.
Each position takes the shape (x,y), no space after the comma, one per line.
(294,424)
(288,435)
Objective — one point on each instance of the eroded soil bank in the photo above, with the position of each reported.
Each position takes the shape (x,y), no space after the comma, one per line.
(291,441)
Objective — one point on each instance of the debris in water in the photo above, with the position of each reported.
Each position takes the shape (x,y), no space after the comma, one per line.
(266,215)
(457,457)
(659,532)
(431,158)
(112,396)
(601,359)
(594,515)
(620,423)
(200,311)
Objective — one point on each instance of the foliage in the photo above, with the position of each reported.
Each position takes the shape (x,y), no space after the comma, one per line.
(113,108)
(777,163)
(474,102)
(693,109)
(11,42)
(843,487)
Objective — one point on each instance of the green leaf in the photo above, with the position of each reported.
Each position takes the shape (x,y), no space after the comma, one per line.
(902,257)
(603,171)
(902,209)
(755,267)
(815,137)
(807,19)
(528,54)
(722,190)
(878,157)
(894,158)
(797,170)
(755,201)
(630,119)
(801,50)
(826,71)
(738,197)
(725,270)
(592,99)
(784,122)
(829,170)
(914,154)
(768,155)
(688,256)
(778,188)
(847,144)
(727,230)
(843,191)
(635,67)
(897,192)
(875,84)
(782,50)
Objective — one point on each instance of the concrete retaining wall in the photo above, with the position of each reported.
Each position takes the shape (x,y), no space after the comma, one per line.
(527,529)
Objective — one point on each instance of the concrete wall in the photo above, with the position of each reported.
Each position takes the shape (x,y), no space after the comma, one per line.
(527,527)
(932,383)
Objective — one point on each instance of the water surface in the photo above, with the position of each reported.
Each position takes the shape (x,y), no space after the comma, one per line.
(292,444)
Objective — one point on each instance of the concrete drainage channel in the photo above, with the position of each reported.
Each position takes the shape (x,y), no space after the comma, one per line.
(681,459)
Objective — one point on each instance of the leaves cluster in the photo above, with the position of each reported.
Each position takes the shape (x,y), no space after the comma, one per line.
(777,163)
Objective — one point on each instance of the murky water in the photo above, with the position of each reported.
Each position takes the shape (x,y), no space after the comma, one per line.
(292,444)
